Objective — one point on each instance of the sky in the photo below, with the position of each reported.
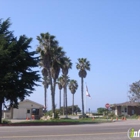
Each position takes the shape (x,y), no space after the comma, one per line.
(106,32)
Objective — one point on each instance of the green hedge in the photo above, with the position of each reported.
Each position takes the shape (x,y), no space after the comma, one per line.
(97,114)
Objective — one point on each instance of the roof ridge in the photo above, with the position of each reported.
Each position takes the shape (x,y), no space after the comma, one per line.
(32,102)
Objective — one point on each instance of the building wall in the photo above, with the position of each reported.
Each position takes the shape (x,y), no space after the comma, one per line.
(119,110)
(133,110)
(40,112)
(7,115)
(130,108)
(124,110)
(137,110)
(20,113)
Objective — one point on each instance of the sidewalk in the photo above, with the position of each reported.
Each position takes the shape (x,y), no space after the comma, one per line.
(18,120)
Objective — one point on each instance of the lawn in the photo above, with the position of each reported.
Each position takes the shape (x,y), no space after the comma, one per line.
(64,121)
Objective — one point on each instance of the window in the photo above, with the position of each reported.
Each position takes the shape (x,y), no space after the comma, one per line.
(28,111)
(35,111)
(125,110)
(133,111)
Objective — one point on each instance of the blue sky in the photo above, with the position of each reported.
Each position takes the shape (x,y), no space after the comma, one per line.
(106,32)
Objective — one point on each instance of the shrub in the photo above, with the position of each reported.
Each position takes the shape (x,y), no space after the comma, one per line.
(111,115)
(134,116)
(83,116)
(97,114)
(49,113)
(57,115)
(120,116)
(4,121)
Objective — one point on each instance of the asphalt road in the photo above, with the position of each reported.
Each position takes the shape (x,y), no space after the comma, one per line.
(105,131)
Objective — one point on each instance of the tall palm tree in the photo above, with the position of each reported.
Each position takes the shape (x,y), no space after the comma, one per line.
(67,64)
(73,87)
(46,85)
(82,65)
(51,57)
(60,88)
(64,81)
(56,63)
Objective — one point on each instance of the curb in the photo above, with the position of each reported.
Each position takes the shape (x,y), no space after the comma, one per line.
(36,124)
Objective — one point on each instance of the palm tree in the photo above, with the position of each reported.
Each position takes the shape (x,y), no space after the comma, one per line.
(60,88)
(46,84)
(82,65)
(64,81)
(56,63)
(73,87)
(67,64)
(51,58)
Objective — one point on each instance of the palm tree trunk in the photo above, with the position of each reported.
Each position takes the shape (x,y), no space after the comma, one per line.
(82,96)
(52,93)
(1,111)
(64,101)
(60,99)
(54,106)
(45,98)
(72,104)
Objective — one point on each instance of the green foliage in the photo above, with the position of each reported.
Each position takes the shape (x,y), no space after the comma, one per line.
(135,91)
(111,114)
(53,59)
(73,85)
(83,116)
(60,111)
(65,121)
(69,109)
(120,116)
(17,79)
(56,115)
(133,116)
(5,121)
(101,110)
(97,114)
(48,113)
(83,64)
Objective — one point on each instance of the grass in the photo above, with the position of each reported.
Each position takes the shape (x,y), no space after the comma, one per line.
(65,121)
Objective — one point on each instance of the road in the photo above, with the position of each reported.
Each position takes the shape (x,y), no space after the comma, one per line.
(104,131)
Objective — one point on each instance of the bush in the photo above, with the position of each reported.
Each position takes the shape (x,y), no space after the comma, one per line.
(101,110)
(57,115)
(97,114)
(49,113)
(83,116)
(111,115)
(4,121)
(120,116)
(134,116)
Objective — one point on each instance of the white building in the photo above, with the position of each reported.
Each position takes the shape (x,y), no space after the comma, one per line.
(26,109)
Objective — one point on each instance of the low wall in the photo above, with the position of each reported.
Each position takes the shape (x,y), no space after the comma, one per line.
(6,114)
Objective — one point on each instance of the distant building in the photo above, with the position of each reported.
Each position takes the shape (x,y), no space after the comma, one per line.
(126,108)
(26,109)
